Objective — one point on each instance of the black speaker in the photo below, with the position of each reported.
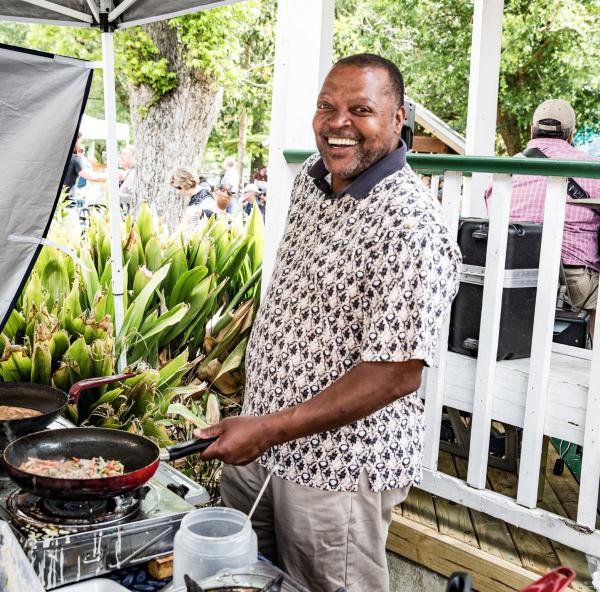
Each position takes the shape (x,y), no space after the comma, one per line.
(518,297)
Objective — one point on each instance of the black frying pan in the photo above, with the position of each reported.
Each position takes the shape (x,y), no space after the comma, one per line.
(139,455)
(50,401)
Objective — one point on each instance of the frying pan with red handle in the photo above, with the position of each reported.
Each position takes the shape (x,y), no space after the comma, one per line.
(139,455)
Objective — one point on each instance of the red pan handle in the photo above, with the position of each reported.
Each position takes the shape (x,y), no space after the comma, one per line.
(555,581)
(185,448)
(89,383)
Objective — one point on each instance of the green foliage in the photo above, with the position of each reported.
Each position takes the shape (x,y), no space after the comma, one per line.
(549,49)
(248,86)
(143,65)
(61,330)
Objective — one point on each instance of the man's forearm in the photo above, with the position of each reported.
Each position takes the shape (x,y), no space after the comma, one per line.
(368,387)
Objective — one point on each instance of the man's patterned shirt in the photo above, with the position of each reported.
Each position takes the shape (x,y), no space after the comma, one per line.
(364,275)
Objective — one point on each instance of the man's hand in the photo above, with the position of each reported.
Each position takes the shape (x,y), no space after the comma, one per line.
(240,439)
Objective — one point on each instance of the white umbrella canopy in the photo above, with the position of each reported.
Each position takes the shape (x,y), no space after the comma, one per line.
(105,14)
(92,128)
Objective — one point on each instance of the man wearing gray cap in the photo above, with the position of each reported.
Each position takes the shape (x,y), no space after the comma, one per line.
(552,131)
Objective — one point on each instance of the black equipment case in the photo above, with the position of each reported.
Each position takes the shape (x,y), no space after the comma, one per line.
(570,327)
(518,298)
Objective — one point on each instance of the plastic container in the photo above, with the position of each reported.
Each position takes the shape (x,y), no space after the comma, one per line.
(212,539)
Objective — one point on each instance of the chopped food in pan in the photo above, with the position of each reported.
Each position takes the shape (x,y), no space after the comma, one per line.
(76,468)
(12,412)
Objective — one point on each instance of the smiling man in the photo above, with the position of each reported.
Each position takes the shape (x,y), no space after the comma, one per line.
(364,278)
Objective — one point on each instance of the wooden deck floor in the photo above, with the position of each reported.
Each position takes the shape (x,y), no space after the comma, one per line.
(447,537)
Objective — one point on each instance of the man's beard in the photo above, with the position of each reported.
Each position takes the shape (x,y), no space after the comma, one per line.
(363,160)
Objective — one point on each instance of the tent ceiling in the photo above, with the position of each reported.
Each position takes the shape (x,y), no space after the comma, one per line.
(122,13)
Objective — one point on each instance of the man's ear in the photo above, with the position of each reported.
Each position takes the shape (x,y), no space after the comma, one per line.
(399,118)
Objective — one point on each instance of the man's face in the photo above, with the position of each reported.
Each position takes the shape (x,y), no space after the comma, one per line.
(357,121)
(249,197)
(126,159)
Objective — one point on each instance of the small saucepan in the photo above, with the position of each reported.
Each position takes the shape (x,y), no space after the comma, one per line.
(48,400)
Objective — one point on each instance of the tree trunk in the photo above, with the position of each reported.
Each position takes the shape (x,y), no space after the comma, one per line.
(173,132)
(242,139)
(508,128)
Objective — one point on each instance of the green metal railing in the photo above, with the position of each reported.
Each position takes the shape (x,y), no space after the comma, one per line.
(440,163)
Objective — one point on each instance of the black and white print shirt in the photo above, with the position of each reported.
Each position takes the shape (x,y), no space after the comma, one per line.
(363,275)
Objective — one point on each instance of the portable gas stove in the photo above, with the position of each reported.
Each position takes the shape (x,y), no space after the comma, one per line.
(71,541)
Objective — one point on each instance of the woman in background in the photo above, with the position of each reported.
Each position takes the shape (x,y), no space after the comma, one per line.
(201,202)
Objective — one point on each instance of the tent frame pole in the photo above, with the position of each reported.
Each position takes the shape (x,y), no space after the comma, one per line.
(77,14)
(116,254)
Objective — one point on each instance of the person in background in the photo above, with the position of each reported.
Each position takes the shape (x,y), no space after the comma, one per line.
(251,195)
(200,201)
(552,130)
(127,177)
(87,165)
(77,168)
(222,200)
(230,176)
(260,175)
(363,281)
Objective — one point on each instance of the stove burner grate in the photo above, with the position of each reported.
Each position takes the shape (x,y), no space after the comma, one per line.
(30,509)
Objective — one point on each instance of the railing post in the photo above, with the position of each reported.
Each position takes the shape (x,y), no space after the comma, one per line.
(541,344)
(435,378)
(488,332)
(587,508)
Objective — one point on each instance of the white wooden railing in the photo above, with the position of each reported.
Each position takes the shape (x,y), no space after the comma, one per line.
(555,392)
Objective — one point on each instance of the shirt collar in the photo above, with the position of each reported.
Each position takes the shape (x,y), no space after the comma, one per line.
(362,185)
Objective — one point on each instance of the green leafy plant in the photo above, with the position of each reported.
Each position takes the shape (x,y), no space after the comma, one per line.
(190,302)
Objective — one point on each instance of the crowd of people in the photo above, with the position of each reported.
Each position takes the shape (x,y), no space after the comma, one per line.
(224,200)
(202,200)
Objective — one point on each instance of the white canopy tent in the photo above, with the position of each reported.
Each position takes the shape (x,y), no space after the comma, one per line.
(92,128)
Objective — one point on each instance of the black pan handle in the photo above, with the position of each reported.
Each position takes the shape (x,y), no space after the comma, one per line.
(89,383)
(185,448)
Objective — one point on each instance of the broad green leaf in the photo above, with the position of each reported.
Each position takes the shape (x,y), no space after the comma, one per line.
(183,411)
(135,312)
(173,368)
(185,284)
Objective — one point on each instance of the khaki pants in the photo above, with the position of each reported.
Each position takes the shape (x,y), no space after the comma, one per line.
(323,539)
(583,286)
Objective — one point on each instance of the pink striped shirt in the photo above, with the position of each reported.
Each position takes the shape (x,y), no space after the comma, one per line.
(580,236)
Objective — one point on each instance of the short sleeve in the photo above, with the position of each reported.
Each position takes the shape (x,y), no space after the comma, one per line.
(414,280)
